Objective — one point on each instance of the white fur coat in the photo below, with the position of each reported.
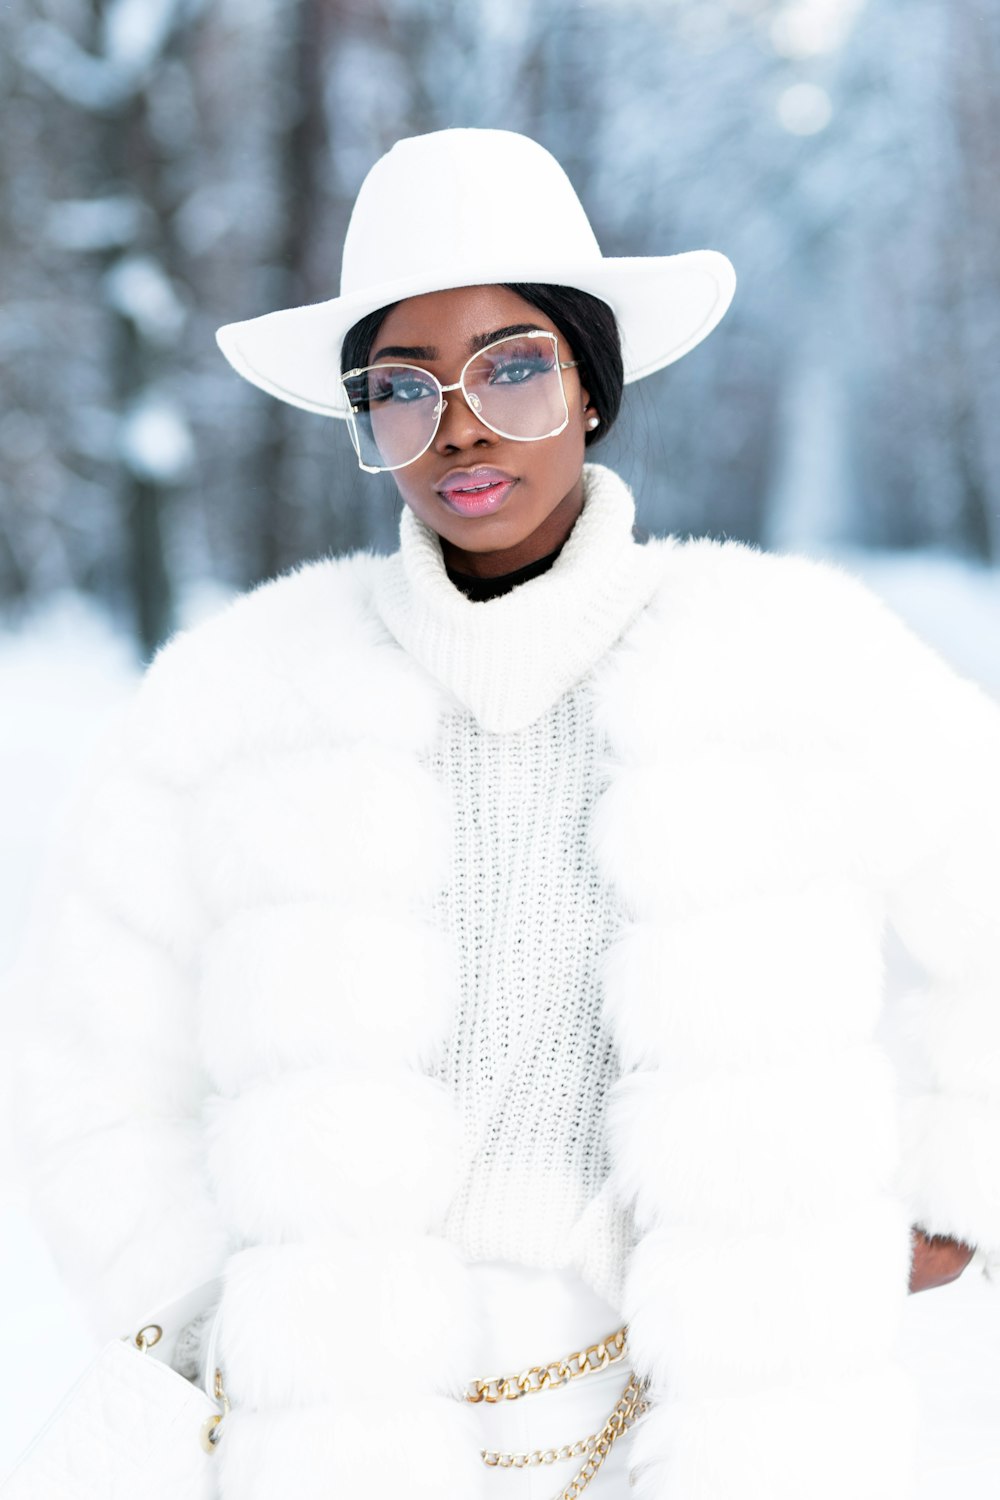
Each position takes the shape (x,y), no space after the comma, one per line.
(243,986)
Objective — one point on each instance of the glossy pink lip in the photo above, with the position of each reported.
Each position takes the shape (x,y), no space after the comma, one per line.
(478,491)
(463,479)
(478,502)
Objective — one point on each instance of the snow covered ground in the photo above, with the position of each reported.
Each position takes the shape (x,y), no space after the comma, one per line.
(62,679)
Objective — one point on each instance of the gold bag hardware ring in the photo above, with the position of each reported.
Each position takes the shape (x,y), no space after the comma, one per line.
(151,1335)
(210,1433)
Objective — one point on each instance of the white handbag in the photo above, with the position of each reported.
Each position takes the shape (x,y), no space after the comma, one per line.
(132,1425)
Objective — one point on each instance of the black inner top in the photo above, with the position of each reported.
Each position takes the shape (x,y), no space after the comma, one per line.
(481,589)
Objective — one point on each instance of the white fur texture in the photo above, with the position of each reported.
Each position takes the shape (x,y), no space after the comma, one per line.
(129,853)
(384,1444)
(783,817)
(956,1028)
(950,1172)
(300,661)
(287,985)
(825,1439)
(316,1321)
(747,1147)
(945,905)
(117,1178)
(330,825)
(318,1150)
(696,1019)
(726,1314)
(227,1070)
(133,1005)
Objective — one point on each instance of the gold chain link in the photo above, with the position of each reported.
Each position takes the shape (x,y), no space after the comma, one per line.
(538,1455)
(549,1377)
(630,1406)
(627,1410)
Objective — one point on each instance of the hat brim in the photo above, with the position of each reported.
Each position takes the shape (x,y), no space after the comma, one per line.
(664,305)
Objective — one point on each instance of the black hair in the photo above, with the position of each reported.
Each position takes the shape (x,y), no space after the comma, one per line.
(358,340)
(586,322)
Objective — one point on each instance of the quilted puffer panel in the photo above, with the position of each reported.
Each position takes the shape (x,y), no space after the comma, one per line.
(130,1426)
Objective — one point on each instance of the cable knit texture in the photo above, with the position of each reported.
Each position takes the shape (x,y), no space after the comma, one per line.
(528,1058)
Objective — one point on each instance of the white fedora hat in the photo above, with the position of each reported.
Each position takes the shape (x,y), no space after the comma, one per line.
(469,207)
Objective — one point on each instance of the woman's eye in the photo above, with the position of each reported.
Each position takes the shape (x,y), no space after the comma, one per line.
(400,388)
(411,390)
(516,371)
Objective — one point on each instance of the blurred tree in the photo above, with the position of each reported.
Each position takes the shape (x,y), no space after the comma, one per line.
(102,70)
(920,257)
(301,127)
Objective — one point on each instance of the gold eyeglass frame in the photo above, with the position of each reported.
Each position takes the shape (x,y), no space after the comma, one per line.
(471,401)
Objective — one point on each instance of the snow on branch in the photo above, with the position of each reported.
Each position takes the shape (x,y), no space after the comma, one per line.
(138,289)
(94,223)
(154,440)
(135,35)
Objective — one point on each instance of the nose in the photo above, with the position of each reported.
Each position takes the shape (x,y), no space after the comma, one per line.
(460,427)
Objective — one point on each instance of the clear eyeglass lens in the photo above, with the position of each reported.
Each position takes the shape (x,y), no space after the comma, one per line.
(514,386)
(518,387)
(395,411)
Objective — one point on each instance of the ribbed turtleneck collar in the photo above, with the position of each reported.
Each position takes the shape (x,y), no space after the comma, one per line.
(509,659)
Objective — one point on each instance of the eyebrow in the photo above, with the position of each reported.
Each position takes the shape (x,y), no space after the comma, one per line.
(477,342)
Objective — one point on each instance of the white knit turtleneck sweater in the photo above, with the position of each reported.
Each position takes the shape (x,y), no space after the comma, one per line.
(527,1057)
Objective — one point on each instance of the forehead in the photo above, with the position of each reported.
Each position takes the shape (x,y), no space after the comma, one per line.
(449,320)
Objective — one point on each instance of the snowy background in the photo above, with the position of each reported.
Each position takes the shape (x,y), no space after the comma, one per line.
(170,165)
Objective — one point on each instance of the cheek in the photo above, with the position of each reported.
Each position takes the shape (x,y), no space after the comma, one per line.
(566,453)
(414,486)
(552,469)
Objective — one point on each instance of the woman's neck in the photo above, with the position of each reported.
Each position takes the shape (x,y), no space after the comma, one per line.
(483,589)
(542,542)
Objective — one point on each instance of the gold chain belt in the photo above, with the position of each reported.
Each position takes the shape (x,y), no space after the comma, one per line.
(627,1409)
(556,1373)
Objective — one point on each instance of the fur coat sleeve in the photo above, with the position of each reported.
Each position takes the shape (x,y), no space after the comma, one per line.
(936,744)
(107,1093)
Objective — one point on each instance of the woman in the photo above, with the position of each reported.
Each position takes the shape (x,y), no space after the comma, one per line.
(473,952)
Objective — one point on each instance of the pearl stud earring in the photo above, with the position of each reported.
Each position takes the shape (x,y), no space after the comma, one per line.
(593,422)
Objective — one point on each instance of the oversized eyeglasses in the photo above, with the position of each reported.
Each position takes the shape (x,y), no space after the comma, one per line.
(514,387)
